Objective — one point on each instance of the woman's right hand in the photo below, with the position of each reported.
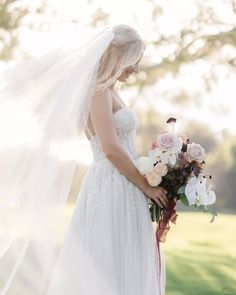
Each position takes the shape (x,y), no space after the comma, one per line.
(157,194)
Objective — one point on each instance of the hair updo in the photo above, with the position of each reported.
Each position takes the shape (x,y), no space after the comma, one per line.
(124,50)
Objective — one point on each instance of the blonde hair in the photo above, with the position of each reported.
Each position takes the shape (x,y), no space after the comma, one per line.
(124,50)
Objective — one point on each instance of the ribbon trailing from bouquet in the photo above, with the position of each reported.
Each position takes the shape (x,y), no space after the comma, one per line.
(169,214)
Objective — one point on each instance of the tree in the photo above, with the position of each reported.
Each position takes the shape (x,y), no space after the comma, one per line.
(203,37)
(11,14)
(223,169)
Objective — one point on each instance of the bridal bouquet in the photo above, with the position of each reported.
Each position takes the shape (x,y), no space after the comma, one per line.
(177,165)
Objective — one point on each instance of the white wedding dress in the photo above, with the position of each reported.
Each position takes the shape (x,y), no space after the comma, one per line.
(110,246)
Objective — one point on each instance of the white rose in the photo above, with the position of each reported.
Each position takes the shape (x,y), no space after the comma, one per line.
(144,165)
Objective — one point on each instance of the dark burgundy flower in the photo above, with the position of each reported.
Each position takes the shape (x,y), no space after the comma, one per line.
(196,171)
(171,120)
(184,147)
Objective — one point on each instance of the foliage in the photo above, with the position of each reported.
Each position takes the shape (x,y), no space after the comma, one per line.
(202,38)
(10,18)
(224,166)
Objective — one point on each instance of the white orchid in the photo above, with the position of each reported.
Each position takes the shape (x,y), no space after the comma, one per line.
(155,155)
(166,157)
(169,157)
(197,193)
(208,196)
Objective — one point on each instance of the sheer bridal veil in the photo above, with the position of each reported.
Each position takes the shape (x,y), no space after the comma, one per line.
(44,105)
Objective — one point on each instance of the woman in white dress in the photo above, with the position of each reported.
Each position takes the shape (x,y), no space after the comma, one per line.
(111,231)
(110,246)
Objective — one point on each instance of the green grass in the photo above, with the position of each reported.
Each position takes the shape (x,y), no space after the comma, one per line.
(201,256)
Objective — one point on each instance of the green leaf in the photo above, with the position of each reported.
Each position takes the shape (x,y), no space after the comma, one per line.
(158,213)
(213,212)
(181,190)
(209,210)
(212,219)
(151,212)
(184,200)
(154,212)
(203,208)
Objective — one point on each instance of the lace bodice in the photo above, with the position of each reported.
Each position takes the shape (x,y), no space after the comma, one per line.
(127,123)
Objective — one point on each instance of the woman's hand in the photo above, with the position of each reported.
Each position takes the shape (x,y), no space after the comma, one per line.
(157,194)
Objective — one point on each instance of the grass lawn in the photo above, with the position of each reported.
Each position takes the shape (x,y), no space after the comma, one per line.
(201,256)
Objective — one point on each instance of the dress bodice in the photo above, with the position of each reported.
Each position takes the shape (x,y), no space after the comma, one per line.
(127,123)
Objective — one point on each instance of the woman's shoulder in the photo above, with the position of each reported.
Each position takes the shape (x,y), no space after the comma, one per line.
(103,97)
(102,93)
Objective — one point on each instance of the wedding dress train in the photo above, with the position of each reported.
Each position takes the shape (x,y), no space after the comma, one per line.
(110,246)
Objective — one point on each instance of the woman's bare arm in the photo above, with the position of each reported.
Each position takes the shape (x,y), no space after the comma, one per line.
(103,122)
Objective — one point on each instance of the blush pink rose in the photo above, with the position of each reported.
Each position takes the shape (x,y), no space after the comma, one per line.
(195,152)
(160,169)
(169,142)
(153,178)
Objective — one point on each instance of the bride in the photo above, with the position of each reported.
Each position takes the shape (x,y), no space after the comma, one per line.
(109,247)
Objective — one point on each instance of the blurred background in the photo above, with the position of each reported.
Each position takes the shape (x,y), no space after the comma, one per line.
(188,72)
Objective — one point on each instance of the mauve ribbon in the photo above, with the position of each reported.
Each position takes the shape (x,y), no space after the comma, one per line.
(159,273)
(163,226)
